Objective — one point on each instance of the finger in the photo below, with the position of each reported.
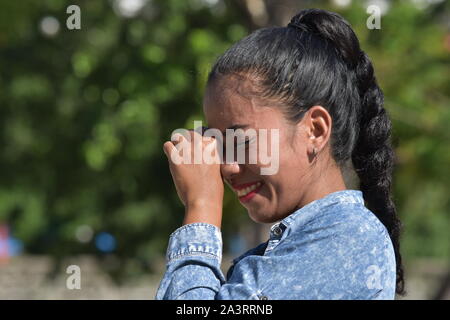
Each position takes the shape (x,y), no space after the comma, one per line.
(168,147)
(173,153)
(180,140)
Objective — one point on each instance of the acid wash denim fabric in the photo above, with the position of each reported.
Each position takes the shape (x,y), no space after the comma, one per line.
(332,248)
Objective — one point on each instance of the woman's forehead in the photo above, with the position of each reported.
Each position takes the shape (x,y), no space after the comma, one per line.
(262,118)
(224,103)
(230,102)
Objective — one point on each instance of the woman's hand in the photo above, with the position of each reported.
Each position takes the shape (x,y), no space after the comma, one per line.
(199,186)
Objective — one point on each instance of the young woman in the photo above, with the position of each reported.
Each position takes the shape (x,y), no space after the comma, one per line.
(312,82)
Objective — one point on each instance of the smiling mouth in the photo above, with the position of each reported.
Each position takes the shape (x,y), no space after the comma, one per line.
(247,191)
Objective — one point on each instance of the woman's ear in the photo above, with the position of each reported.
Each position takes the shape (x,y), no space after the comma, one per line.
(318,124)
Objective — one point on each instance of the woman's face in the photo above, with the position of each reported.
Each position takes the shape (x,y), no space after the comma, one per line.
(227,103)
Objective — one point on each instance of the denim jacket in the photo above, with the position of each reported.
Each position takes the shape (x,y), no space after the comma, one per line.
(332,248)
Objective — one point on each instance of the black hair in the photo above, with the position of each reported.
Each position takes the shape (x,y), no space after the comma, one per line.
(317,60)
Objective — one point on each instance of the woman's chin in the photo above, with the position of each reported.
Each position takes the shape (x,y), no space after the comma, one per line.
(260,217)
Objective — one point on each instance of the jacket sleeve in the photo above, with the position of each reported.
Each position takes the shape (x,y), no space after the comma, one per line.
(193,271)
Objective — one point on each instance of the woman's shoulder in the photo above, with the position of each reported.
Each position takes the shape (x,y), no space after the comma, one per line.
(346,243)
(359,220)
(354,219)
(350,230)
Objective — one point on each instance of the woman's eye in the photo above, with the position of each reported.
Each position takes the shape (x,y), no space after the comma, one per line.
(238,143)
(246,142)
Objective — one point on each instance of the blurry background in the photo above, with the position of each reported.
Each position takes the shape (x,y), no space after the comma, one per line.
(84,114)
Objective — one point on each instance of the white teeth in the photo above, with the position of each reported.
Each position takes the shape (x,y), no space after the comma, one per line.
(245,191)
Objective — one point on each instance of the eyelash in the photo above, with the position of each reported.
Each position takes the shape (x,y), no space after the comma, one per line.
(247,142)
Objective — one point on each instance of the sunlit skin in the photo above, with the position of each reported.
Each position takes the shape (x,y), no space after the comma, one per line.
(303,176)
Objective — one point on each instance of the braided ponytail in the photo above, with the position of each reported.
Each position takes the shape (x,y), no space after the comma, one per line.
(373,158)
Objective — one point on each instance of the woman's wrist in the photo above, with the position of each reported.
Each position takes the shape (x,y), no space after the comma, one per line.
(203,212)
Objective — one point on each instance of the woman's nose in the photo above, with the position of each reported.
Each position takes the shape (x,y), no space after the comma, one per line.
(229,170)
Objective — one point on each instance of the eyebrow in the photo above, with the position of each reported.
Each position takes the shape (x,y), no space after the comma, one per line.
(236,126)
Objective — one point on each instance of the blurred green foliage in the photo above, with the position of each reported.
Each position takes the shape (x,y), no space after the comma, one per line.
(84,114)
